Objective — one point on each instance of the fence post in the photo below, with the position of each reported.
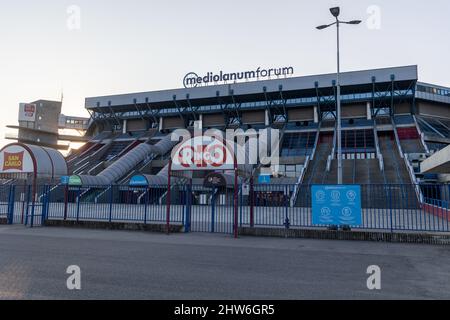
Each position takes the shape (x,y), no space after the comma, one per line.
(48,202)
(241,200)
(390,210)
(235,201)
(168,198)
(66,200)
(187,222)
(44,204)
(27,204)
(213,209)
(252,204)
(110,202)
(78,203)
(32,208)
(12,192)
(146,204)
(287,223)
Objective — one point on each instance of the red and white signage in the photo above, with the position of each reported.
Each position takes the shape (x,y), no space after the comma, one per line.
(16,159)
(202,153)
(27,112)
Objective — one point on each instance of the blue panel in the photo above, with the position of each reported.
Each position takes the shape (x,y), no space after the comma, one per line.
(264,179)
(65,180)
(336,205)
(138,181)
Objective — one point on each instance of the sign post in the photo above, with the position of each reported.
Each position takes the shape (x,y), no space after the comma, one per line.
(236,231)
(252,204)
(168,197)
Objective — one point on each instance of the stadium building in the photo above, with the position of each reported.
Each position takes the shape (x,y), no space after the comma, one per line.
(388,116)
(391,123)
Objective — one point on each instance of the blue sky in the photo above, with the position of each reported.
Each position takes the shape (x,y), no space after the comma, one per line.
(137,45)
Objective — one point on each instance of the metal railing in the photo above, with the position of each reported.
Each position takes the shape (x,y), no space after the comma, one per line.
(332,156)
(408,165)
(384,207)
(422,135)
(377,146)
(300,180)
(388,207)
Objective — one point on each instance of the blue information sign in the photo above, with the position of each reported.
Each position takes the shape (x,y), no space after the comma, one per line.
(336,205)
(138,181)
(65,180)
(264,179)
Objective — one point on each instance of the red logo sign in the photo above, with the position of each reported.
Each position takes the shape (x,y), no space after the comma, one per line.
(29,110)
(202,153)
(202,156)
(13,161)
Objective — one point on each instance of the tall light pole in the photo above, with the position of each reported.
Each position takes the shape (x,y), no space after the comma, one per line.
(335,12)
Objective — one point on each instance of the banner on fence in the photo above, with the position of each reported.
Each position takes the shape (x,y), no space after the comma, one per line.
(336,205)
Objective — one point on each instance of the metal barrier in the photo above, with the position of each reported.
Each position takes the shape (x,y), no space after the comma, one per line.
(200,209)
(18,206)
(384,207)
(117,204)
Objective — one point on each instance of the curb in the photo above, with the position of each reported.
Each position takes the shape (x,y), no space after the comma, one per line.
(374,236)
(160,228)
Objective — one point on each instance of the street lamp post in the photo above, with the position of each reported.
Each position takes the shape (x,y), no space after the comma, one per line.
(335,12)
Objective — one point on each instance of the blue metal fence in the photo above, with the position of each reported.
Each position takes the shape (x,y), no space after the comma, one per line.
(384,207)
(423,208)
(114,204)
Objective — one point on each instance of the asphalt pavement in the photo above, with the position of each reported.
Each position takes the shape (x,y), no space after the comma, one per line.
(138,265)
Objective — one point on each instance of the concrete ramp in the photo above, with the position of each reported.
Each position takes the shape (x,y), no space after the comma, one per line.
(437,163)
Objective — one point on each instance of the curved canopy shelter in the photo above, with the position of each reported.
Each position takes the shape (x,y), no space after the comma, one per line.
(31,163)
(143,180)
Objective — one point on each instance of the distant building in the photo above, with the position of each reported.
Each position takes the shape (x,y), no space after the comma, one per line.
(40,123)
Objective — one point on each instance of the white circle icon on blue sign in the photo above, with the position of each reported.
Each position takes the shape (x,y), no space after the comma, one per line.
(351,195)
(320,195)
(325,212)
(347,212)
(336,196)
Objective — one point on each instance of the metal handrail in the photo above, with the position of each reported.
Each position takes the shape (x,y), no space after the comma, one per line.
(316,143)
(101,194)
(333,151)
(377,146)
(142,195)
(299,182)
(397,139)
(409,167)
(421,134)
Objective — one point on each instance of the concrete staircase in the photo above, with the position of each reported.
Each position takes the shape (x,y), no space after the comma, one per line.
(316,172)
(394,166)
(357,171)
(398,191)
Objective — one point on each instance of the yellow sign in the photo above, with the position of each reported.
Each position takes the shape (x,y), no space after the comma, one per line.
(13,161)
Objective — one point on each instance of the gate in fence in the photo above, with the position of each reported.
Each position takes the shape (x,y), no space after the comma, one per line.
(209,209)
(24,204)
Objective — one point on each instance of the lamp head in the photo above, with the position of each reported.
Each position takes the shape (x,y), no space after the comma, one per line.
(322,27)
(335,11)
